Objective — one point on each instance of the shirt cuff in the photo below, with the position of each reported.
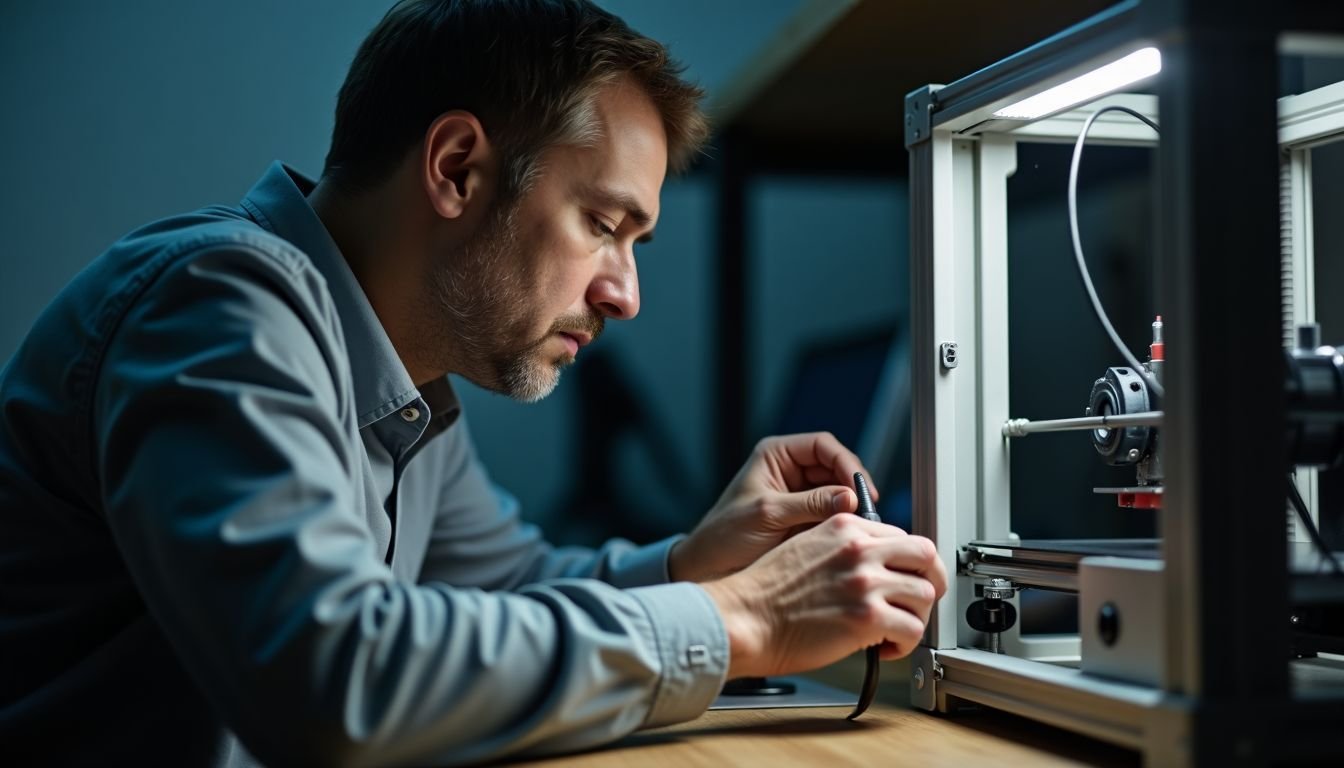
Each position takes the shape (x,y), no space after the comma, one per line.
(692,646)
(644,566)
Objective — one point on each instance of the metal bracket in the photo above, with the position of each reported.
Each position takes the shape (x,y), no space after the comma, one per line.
(919,106)
(925,672)
(947,355)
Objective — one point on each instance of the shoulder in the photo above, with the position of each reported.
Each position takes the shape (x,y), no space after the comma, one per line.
(189,263)
(215,286)
(222,235)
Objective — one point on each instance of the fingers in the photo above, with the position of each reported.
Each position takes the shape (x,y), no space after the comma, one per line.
(900,630)
(831,460)
(893,549)
(892,650)
(915,555)
(815,505)
(900,608)
(902,590)
(819,504)
(818,475)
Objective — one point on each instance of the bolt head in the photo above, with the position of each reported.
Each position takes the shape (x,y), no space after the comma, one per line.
(999,589)
(919,678)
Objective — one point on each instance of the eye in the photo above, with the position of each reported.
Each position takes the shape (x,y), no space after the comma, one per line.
(601,227)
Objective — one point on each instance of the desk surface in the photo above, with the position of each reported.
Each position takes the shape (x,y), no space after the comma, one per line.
(888,734)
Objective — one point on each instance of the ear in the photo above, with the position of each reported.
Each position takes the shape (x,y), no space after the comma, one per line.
(456,160)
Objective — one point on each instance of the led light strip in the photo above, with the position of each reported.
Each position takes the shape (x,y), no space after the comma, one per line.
(1138,65)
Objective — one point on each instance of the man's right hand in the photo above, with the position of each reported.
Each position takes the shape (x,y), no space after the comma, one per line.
(840,587)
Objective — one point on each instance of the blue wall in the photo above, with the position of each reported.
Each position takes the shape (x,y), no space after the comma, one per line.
(120,113)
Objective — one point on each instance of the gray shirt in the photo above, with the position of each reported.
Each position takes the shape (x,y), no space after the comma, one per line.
(227,514)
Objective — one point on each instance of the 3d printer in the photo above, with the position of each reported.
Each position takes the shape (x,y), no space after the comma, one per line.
(1212,643)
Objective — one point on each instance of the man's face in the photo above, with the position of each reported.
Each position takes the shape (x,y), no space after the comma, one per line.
(539,278)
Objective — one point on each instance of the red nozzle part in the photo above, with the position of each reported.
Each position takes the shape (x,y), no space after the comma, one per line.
(1157,351)
(1141,500)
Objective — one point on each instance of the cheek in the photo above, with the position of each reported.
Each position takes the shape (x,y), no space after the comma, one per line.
(565,270)
(572,291)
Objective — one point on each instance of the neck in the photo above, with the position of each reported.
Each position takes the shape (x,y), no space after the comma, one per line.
(376,233)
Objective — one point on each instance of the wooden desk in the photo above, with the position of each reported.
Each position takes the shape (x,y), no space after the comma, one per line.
(888,734)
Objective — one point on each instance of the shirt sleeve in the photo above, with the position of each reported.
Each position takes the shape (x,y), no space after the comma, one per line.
(479,538)
(227,463)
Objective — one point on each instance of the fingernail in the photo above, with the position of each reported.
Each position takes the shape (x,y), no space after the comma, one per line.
(840,501)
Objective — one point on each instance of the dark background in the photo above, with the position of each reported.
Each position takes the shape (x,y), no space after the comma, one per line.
(116,114)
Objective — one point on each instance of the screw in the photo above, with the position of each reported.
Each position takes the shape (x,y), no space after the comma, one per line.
(919,678)
(1133,454)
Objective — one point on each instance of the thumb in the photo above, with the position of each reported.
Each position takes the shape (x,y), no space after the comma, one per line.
(816,505)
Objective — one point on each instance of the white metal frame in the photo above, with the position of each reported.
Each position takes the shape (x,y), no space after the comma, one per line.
(964,185)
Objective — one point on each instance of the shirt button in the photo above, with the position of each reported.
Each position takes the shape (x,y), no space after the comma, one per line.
(697,656)
(410,414)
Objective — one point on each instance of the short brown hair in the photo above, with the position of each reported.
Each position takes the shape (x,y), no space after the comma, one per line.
(528,69)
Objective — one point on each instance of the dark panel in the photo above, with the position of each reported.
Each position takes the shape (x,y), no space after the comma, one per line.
(1223,522)
(731,298)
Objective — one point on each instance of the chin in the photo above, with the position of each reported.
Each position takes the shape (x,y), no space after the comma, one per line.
(531,383)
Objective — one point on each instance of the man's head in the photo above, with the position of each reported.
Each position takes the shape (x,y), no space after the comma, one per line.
(536,134)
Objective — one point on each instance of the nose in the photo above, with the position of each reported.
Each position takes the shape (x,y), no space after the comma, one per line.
(614,291)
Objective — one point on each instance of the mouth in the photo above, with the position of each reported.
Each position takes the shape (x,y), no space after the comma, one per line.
(579,337)
(574,340)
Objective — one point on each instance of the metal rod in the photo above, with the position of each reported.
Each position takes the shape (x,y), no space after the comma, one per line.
(1024,427)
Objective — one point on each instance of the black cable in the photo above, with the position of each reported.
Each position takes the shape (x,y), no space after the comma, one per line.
(1312,533)
(1133,361)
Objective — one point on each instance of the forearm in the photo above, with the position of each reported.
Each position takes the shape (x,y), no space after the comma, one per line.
(479,538)
(438,676)
(617,562)
(313,652)
(317,654)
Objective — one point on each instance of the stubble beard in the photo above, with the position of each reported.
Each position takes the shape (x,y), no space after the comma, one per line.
(482,300)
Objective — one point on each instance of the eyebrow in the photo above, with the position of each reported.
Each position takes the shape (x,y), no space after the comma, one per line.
(626,202)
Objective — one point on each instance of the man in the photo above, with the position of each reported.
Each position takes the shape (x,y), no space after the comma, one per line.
(241,518)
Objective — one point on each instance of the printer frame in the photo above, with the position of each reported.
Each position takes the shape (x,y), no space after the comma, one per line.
(1214,682)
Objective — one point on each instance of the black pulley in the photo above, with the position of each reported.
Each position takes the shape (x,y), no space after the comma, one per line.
(991,615)
(1121,390)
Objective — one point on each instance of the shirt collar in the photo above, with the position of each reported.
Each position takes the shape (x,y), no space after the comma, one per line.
(278,202)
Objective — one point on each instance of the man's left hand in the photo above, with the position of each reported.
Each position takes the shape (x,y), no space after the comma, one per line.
(789,484)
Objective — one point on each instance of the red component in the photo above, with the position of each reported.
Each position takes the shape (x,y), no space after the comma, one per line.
(1157,350)
(1143,500)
